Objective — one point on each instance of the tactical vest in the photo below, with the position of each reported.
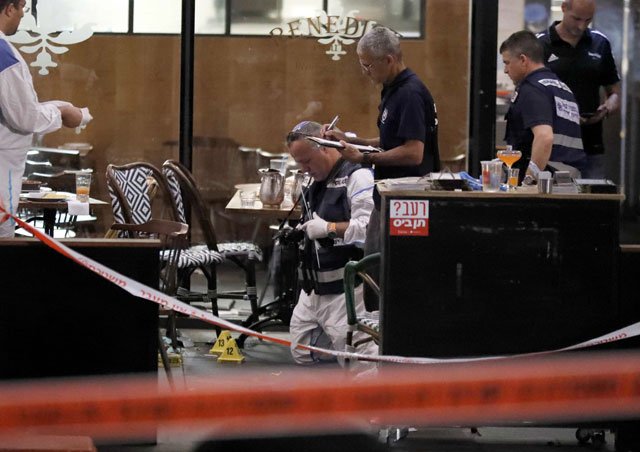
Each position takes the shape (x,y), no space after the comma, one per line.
(322,266)
(567,141)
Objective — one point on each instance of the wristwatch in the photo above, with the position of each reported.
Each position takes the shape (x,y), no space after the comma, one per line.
(366,158)
(331,230)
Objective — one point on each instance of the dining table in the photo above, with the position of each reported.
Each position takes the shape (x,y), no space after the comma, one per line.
(52,205)
(261,211)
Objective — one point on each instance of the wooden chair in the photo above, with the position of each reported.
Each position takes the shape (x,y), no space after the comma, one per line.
(186,197)
(368,325)
(139,193)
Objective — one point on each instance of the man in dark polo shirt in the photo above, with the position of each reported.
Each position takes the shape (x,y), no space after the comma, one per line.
(582,59)
(543,120)
(407,122)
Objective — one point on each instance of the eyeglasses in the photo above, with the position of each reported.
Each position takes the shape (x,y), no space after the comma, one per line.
(367,66)
(295,136)
(25,8)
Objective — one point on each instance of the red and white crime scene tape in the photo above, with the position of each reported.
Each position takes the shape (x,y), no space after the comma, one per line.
(554,388)
(474,392)
(148,293)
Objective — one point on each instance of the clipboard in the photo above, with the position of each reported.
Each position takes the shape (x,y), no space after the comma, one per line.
(337,145)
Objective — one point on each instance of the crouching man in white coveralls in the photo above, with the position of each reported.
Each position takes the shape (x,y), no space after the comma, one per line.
(336,212)
(21,114)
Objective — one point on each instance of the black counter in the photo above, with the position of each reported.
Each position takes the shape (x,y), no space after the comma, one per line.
(60,319)
(494,274)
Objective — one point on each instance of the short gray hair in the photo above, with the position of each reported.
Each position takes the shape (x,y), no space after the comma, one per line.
(381,41)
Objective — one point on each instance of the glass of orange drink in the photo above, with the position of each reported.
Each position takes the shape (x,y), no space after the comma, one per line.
(509,157)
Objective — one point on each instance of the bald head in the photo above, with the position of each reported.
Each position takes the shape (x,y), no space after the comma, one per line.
(586,5)
(576,17)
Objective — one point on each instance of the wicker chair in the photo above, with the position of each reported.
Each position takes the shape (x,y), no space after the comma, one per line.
(186,197)
(139,193)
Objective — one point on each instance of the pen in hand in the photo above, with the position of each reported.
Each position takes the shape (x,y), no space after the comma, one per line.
(333,122)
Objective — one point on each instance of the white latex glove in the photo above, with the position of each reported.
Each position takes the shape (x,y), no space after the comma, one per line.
(316,228)
(86,118)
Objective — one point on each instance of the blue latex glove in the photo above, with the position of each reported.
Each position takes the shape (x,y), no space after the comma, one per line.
(474,183)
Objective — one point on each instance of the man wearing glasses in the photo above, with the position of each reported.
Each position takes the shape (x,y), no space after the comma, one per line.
(407,123)
(21,114)
(337,206)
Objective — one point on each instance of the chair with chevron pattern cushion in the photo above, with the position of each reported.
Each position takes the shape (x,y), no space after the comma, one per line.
(245,255)
(139,192)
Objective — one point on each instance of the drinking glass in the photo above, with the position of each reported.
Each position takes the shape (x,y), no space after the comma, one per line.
(280,165)
(512,181)
(83,185)
(247,198)
(491,175)
(509,157)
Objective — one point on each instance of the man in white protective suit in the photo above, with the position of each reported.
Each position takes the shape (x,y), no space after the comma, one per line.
(21,114)
(336,211)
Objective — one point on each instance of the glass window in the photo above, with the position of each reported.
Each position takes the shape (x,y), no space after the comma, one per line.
(129,82)
(210,16)
(249,17)
(402,16)
(63,15)
(148,18)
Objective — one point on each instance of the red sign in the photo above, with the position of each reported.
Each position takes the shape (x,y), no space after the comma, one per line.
(408,218)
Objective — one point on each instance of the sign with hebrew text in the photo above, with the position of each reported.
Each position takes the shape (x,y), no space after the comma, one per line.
(409,217)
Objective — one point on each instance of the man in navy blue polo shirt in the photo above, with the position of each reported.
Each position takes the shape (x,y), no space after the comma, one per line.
(543,120)
(407,122)
(582,59)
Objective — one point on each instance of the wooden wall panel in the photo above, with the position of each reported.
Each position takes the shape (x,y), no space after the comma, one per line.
(249,91)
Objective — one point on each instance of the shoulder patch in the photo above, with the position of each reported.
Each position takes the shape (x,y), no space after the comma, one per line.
(7,58)
(554,82)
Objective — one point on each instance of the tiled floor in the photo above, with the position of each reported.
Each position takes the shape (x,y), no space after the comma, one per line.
(270,357)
